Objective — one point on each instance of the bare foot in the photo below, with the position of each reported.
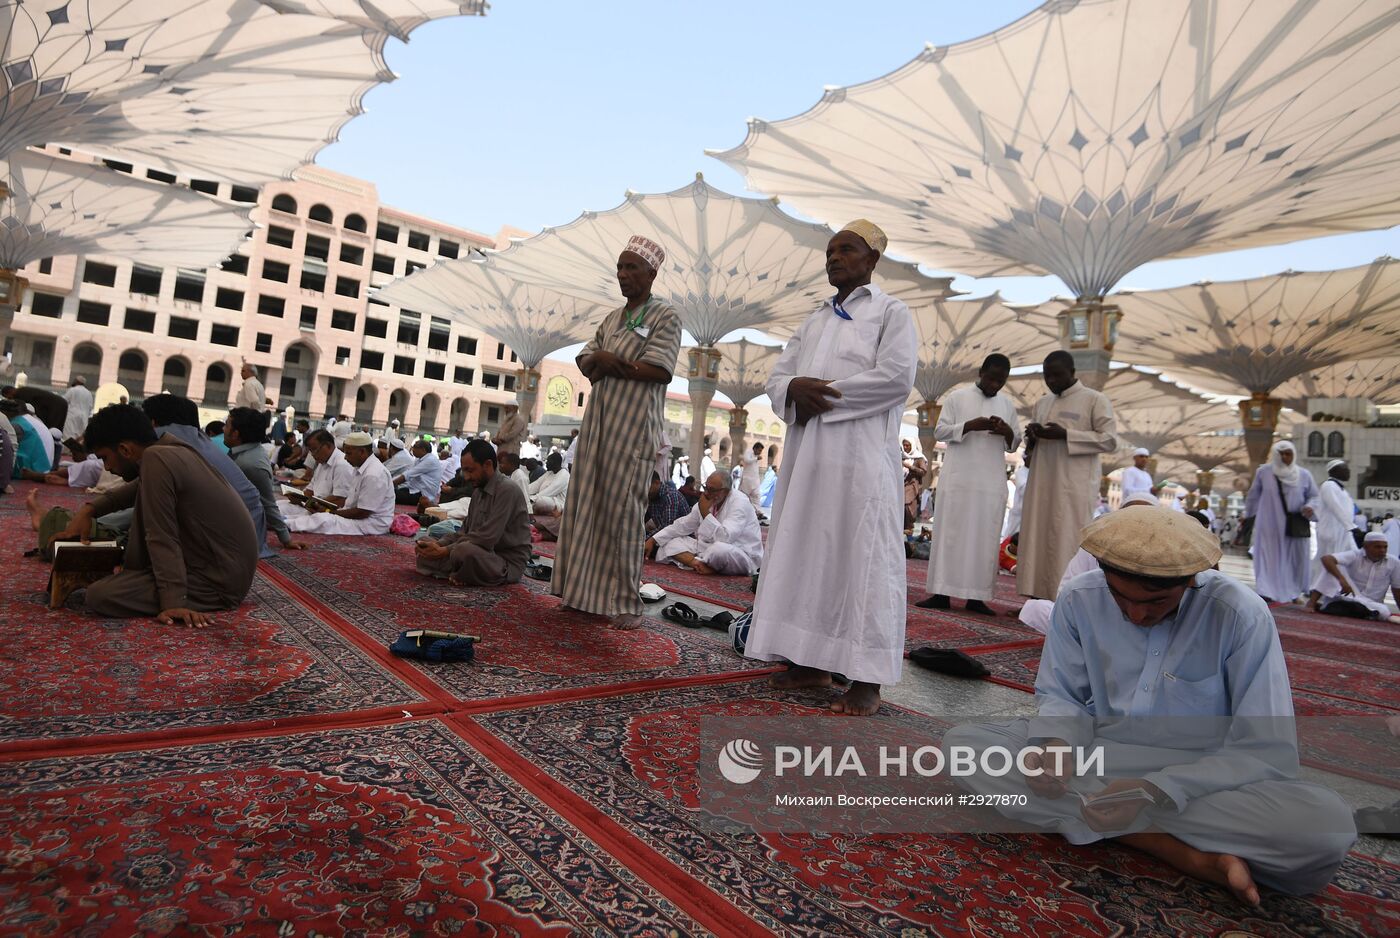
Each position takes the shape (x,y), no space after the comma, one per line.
(703,569)
(625,623)
(1222,869)
(36,512)
(862,700)
(797,677)
(1237,878)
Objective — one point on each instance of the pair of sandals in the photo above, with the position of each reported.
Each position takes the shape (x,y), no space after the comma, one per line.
(681,614)
(539,571)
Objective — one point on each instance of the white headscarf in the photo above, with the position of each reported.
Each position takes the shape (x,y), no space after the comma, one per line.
(1288,475)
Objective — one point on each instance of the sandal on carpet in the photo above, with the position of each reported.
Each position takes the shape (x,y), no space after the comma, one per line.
(681,614)
(719,622)
(538,571)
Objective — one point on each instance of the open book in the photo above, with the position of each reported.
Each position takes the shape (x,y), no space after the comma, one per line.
(76,565)
(309,502)
(1118,797)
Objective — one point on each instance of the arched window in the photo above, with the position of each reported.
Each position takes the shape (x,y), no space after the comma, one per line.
(1315,444)
(356,223)
(285,203)
(320,212)
(87,354)
(217,374)
(132,361)
(1336,445)
(175,368)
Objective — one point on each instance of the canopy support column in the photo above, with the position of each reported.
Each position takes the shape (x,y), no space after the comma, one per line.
(1259,416)
(928,413)
(738,423)
(527,392)
(1088,331)
(704,370)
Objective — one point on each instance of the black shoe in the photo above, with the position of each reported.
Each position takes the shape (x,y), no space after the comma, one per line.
(936,601)
(979,607)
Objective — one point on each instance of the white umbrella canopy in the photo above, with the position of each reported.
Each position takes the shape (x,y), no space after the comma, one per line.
(221,89)
(744,368)
(1376,380)
(534,321)
(1208,452)
(1157,427)
(731,263)
(63,206)
(1090,137)
(398,18)
(1251,336)
(956,335)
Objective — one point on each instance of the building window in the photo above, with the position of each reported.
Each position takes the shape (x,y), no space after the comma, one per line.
(409,324)
(466,346)
(140,320)
(189,287)
(288,386)
(223,335)
(183,328)
(343,319)
(271,306)
(282,237)
(235,264)
(318,247)
(434,371)
(46,265)
(158,176)
(355,222)
(145,280)
(448,248)
(411,266)
(1315,445)
(403,364)
(510,382)
(371,361)
(349,254)
(347,286)
(462,375)
(308,317)
(320,213)
(387,232)
(243,194)
(1336,445)
(276,270)
(378,328)
(493,415)
(500,351)
(313,280)
(262,342)
(97,314)
(418,240)
(489,379)
(229,299)
(342,355)
(285,203)
(207,186)
(383,264)
(104,275)
(117,165)
(580,398)
(46,304)
(439,334)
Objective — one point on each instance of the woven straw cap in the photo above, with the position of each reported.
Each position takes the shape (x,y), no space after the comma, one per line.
(1152,542)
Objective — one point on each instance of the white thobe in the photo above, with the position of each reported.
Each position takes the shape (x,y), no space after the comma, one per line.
(521,478)
(547,493)
(571,452)
(1370,580)
(1135,481)
(749,479)
(251,395)
(398,461)
(447,469)
(833,591)
(971,499)
(335,478)
(373,491)
(85,474)
(729,540)
(1018,500)
(455,445)
(1037,612)
(79,400)
(1336,514)
(707,468)
(1391,530)
(340,430)
(1063,486)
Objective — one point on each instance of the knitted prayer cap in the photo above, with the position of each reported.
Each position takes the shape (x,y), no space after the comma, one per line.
(359,438)
(647,249)
(1152,542)
(870,233)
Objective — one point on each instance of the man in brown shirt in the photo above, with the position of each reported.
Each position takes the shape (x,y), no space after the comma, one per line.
(494,544)
(192,547)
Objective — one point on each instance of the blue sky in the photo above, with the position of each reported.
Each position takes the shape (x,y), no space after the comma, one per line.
(546,108)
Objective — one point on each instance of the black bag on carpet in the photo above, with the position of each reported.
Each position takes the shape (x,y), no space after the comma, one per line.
(426,645)
(948,661)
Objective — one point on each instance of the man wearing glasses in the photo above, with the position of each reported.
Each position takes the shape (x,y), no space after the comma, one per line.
(720,535)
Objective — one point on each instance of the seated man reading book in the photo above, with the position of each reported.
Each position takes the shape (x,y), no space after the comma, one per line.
(191,548)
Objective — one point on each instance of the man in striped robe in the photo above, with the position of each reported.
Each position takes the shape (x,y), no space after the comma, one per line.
(629,362)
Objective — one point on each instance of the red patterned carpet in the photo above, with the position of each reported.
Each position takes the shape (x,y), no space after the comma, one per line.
(281,773)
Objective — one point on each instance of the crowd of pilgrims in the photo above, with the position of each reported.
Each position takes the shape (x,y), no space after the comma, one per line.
(1138,620)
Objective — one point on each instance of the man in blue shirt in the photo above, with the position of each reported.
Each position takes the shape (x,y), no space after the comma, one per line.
(1175,672)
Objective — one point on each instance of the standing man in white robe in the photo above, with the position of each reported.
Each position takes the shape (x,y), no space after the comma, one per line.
(1336,517)
(1136,478)
(251,394)
(750,477)
(979,427)
(832,597)
(1390,527)
(79,400)
(1069,428)
(1018,497)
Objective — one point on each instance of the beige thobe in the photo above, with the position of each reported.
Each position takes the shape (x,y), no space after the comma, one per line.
(511,434)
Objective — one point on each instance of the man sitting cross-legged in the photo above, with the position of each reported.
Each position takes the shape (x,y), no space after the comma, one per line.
(547,494)
(1357,580)
(493,545)
(192,547)
(1174,674)
(422,480)
(720,535)
(368,509)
